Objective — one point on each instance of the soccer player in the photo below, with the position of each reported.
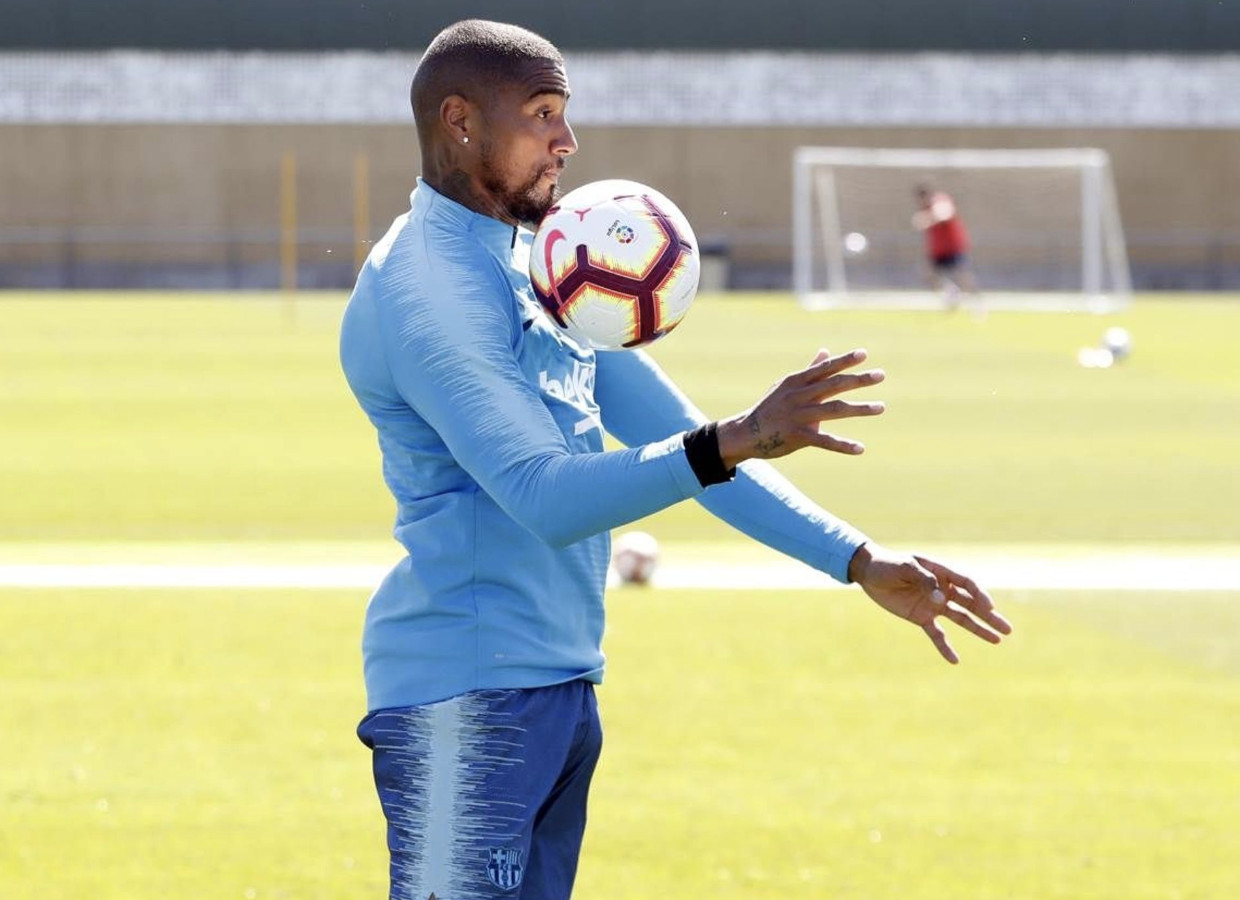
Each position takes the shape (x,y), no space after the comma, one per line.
(947,244)
(482,646)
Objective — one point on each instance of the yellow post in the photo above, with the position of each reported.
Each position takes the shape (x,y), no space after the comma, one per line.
(361,209)
(288,222)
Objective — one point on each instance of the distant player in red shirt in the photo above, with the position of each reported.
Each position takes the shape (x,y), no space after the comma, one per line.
(947,243)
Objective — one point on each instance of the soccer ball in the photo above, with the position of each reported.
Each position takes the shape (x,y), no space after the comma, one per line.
(634,557)
(615,264)
(1118,341)
(856,243)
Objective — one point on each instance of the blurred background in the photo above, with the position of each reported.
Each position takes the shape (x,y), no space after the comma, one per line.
(192,513)
(249,145)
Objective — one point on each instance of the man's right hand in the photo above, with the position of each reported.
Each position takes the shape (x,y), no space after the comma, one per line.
(790,416)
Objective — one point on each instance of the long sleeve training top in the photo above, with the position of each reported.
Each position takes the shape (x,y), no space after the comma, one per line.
(490,424)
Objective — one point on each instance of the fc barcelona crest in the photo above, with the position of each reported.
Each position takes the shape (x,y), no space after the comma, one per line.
(504,867)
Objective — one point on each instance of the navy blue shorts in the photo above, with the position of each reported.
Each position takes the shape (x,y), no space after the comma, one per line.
(950,261)
(485,793)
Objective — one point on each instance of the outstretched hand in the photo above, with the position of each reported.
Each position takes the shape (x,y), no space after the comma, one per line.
(789,417)
(921,590)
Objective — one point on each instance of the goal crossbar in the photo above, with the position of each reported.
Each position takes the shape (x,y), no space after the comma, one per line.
(903,158)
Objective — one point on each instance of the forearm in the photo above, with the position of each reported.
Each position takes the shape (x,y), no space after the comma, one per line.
(767,507)
(565,498)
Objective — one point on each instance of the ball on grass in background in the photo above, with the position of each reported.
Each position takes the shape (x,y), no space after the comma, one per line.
(1095,357)
(856,243)
(634,557)
(1118,341)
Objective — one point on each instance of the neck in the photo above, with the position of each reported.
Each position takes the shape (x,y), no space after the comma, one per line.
(449,178)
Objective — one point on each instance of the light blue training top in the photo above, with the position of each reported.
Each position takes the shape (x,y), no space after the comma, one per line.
(490,423)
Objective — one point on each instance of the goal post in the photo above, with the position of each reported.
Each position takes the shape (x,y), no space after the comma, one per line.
(1043,226)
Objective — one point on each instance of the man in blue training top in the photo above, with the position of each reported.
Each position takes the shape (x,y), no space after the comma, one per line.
(482,646)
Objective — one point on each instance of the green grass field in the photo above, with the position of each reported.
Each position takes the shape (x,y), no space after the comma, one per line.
(228,418)
(198,743)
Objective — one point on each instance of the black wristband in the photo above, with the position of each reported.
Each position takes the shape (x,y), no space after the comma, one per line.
(702,450)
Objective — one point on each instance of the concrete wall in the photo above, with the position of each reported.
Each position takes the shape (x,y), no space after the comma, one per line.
(200,204)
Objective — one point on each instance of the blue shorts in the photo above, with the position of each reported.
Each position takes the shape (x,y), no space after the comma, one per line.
(950,261)
(485,793)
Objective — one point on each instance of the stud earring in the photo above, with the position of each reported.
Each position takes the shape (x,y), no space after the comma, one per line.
(465,140)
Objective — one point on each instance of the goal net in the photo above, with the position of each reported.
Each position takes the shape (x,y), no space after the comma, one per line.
(1043,229)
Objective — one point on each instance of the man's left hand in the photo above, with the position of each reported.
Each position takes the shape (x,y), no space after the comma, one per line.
(921,590)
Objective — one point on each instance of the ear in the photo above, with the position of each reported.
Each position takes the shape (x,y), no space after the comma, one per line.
(456,114)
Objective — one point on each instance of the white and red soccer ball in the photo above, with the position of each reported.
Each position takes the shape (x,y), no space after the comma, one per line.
(634,557)
(615,264)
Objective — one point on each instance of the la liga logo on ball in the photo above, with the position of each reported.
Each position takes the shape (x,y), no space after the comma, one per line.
(615,264)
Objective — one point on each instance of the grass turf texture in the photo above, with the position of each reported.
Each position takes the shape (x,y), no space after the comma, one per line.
(197,744)
(190,744)
(191,418)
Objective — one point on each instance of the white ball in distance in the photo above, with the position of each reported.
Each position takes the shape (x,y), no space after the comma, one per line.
(856,243)
(634,557)
(1118,341)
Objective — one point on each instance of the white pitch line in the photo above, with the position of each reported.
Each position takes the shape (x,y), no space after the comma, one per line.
(996,571)
(1084,574)
(160,575)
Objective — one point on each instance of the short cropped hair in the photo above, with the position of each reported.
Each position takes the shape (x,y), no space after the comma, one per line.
(469,57)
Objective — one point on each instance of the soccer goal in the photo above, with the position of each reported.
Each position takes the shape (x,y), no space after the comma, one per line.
(1043,228)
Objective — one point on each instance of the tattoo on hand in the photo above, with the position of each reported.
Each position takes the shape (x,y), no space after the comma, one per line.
(755,427)
(767,445)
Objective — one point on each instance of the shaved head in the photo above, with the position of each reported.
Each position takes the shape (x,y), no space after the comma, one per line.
(470,59)
(489,100)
